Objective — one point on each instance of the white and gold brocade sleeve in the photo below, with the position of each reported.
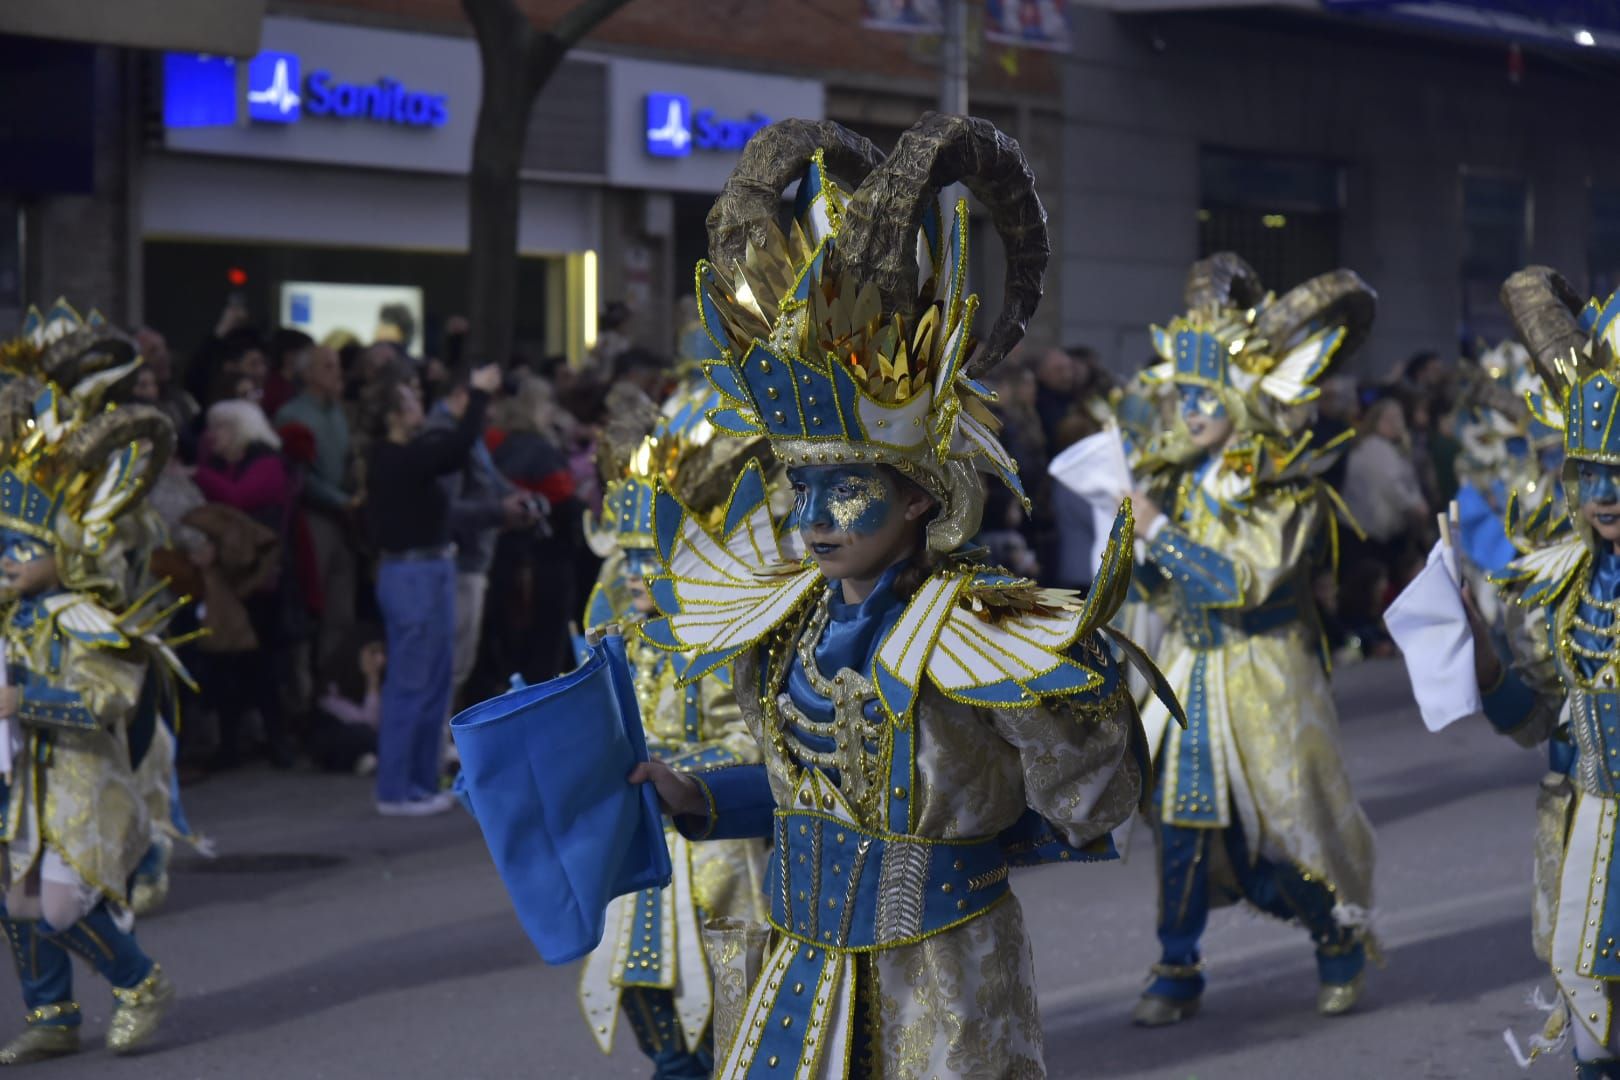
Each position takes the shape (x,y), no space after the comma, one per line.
(1079,771)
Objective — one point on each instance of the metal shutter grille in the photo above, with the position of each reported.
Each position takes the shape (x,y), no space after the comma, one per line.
(568,127)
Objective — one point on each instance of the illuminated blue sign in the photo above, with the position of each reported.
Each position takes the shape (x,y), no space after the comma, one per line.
(675,130)
(198,91)
(201,91)
(385,101)
(669,125)
(273,88)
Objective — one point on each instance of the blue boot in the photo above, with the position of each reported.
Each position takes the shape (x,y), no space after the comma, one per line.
(1178,979)
(46,975)
(144,994)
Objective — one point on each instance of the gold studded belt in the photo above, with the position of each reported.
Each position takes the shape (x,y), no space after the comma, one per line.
(850,890)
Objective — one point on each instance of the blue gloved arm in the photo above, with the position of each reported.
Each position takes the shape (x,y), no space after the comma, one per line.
(1202,576)
(741,805)
(1510,704)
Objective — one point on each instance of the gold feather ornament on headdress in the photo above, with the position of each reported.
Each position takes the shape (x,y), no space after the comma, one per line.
(848,337)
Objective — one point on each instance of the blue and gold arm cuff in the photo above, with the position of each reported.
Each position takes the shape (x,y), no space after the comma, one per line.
(741,806)
(1201,575)
(1510,703)
(701,759)
(50,706)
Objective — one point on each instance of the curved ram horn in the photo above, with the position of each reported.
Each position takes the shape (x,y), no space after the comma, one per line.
(1338,297)
(17,408)
(92,446)
(1223,280)
(1544,308)
(773,159)
(878,240)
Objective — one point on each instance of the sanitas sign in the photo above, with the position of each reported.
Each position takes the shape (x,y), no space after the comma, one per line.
(201,91)
(674,130)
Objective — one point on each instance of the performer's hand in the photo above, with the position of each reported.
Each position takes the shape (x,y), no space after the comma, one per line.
(678,793)
(1487,665)
(1146,511)
(10,697)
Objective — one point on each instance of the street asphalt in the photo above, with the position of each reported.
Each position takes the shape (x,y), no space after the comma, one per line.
(327,943)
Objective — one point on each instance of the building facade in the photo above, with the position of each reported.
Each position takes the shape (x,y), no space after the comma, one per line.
(1432,164)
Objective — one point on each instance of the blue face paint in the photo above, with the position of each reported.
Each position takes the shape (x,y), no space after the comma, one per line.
(856,499)
(640,562)
(1598,483)
(1200,401)
(20,547)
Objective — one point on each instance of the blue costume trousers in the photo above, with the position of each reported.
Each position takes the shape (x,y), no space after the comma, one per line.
(651,1013)
(418,602)
(1278,889)
(46,972)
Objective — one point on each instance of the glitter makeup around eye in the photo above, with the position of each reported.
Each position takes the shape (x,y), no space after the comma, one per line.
(1201,401)
(1598,483)
(851,512)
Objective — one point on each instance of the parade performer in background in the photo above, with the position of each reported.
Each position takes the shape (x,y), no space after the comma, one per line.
(79,659)
(1253,798)
(1505,449)
(927,721)
(1559,684)
(652,964)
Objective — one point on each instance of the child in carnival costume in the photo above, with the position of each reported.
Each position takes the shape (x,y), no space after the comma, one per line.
(1253,798)
(76,820)
(652,964)
(1505,449)
(1558,684)
(927,722)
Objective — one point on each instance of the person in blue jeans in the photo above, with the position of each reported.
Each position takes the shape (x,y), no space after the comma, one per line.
(409,515)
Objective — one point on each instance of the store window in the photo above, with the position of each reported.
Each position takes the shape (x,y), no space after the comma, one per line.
(1282,214)
(189,281)
(1496,234)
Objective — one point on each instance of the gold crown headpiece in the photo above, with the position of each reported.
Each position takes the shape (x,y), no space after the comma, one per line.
(1257,350)
(1575,345)
(70,466)
(848,337)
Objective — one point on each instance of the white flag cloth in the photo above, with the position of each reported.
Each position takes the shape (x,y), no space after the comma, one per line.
(1094,469)
(1430,625)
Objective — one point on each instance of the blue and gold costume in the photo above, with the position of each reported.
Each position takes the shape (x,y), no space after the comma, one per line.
(955,723)
(76,820)
(1560,688)
(1253,801)
(652,963)
(1505,449)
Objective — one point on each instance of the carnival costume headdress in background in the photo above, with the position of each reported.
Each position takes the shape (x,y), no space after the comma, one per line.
(1574,346)
(71,465)
(641,445)
(848,338)
(1501,436)
(1262,355)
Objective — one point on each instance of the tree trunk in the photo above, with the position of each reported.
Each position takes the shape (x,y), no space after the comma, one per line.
(492,208)
(517,62)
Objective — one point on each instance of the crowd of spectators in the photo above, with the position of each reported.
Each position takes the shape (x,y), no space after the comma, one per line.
(341,510)
(345,509)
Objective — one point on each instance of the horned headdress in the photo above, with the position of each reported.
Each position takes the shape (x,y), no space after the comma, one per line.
(1262,354)
(848,336)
